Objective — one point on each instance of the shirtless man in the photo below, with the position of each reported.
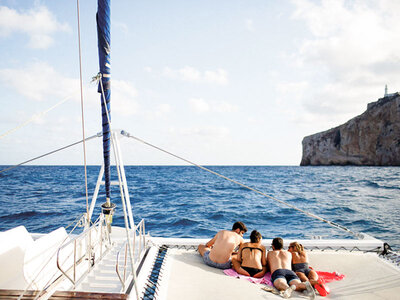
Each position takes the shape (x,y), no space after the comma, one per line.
(218,251)
(280,264)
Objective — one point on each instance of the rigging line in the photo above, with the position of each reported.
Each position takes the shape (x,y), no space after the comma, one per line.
(82,111)
(104,98)
(37,115)
(113,144)
(51,152)
(117,159)
(127,229)
(333,224)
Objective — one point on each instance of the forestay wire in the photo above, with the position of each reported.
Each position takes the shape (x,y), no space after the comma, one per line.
(333,224)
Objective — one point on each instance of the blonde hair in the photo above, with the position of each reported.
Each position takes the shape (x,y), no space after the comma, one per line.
(297,247)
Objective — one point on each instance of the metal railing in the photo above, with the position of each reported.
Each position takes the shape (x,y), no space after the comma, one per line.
(139,247)
(86,246)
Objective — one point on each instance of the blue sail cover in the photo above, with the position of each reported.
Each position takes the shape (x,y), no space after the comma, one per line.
(103,36)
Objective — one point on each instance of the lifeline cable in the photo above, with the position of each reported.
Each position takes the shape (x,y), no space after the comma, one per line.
(333,224)
(51,152)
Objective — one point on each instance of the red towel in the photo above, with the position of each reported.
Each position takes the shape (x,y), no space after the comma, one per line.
(330,276)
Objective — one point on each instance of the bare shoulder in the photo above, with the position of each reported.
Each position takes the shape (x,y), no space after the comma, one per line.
(220,233)
(296,255)
(303,254)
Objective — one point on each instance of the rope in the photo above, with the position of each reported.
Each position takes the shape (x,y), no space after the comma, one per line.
(127,229)
(36,116)
(83,116)
(79,217)
(48,153)
(98,78)
(333,224)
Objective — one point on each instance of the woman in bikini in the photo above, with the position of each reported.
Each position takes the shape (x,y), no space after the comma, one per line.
(303,271)
(251,258)
(300,264)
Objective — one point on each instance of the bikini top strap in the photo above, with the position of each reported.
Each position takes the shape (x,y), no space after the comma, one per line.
(251,248)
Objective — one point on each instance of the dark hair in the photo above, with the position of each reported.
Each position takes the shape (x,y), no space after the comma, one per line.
(255,236)
(277,243)
(239,225)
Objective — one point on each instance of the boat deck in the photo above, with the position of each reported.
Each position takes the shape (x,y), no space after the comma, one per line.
(170,268)
(367,276)
(59,295)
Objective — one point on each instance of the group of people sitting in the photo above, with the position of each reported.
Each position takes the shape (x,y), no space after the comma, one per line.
(289,269)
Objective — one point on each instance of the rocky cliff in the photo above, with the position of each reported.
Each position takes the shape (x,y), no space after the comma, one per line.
(371,139)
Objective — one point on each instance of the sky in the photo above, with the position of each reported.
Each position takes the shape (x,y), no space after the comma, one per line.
(227,82)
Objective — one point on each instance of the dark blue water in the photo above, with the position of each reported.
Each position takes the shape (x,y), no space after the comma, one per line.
(178,201)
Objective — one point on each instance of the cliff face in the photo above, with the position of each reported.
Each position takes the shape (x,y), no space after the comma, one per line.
(372,138)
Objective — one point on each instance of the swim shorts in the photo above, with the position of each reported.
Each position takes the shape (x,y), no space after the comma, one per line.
(289,275)
(209,262)
(302,267)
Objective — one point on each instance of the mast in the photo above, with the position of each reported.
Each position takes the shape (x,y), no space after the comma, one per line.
(104,88)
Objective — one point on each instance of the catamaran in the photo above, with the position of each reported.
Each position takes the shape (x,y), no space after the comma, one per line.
(110,262)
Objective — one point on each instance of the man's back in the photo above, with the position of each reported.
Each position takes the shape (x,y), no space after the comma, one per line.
(225,242)
(279,259)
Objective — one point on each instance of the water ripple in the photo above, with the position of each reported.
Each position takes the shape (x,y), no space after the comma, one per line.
(185,202)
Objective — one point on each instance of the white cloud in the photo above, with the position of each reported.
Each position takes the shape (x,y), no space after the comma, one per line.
(249,25)
(121,27)
(348,36)
(199,105)
(159,111)
(293,90)
(219,76)
(191,74)
(38,23)
(123,97)
(188,74)
(225,107)
(39,81)
(351,54)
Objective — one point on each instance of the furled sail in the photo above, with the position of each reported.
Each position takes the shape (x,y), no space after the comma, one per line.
(103,36)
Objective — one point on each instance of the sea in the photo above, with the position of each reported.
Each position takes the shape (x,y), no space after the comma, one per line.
(185,201)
